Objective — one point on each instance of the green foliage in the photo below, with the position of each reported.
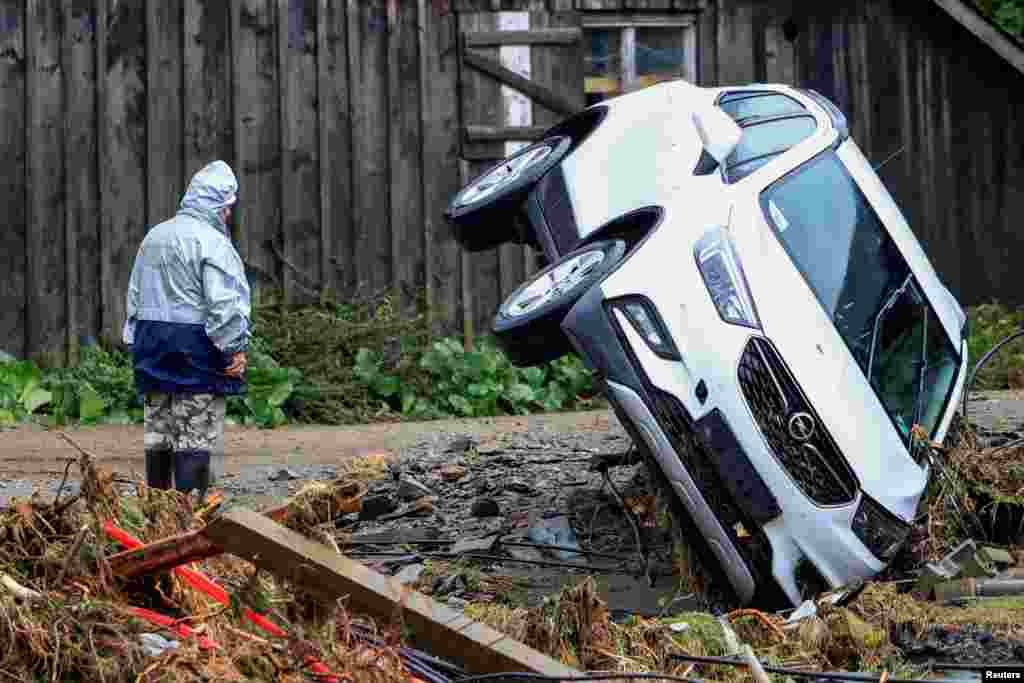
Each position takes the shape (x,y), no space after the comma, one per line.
(1008,14)
(445,380)
(21,391)
(990,324)
(100,389)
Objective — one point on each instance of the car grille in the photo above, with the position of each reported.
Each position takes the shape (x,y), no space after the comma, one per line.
(813,462)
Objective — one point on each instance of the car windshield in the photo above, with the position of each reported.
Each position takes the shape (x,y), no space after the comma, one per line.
(839,245)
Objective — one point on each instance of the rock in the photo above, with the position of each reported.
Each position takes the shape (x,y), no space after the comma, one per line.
(679,627)
(284,474)
(474,545)
(409,574)
(410,488)
(485,507)
(457,603)
(452,473)
(444,585)
(419,508)
(519,486)
(461,444)
(375,506)
(524,553)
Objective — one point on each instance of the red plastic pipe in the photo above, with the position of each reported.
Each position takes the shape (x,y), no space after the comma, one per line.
(202,583)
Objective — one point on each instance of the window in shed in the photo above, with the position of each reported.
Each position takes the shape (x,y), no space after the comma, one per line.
(626,53)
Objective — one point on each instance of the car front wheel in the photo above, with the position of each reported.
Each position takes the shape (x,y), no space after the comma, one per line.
(527,326)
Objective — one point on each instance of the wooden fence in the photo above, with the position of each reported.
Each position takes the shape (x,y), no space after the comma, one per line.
(338,117)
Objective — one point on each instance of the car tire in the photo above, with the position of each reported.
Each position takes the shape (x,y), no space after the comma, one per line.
(528,323)
(481,213)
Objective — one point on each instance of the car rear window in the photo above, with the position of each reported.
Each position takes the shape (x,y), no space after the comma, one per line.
(744,105)
(764,140)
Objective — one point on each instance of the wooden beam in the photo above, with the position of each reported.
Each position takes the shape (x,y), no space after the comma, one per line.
(539,93)
(438,629)
(550,36)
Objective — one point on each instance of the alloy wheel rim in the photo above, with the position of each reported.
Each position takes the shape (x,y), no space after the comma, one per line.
(560,279)
(502,175)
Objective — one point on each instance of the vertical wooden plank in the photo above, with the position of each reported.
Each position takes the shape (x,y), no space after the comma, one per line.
(440,139)
(207,64)
(337,262)
(517,111)
(779,57)
(482,104)
(12,176)
(560,67)
(736,63)
(371,210)
(81,183)
(45,272)
(707,40)
(405,150)
(258,121)
(300,182)
(164,29)
(123,151)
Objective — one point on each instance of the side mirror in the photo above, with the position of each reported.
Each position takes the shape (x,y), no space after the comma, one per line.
(719,136)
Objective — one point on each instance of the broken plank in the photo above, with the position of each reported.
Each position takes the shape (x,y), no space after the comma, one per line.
(539,93)
(553,36)
(439,629)
(168,553)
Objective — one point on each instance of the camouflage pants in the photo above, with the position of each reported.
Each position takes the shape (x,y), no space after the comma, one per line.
(179,422)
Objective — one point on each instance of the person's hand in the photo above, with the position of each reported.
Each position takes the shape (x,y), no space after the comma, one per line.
(237,367)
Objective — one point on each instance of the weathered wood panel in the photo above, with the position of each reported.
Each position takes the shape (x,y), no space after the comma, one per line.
(439,76)
(300,181)
(482,103)
(122,64)
(207,64)
(82,220)
(257,118)
(12,176)
(371,210)
(337,261)
(517,110)
(45,275)
(405,154)
(164,136)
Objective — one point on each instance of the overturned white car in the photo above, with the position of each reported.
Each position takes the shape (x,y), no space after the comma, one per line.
(768,328)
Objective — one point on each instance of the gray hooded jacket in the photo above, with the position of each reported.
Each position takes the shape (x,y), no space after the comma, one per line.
(187,270)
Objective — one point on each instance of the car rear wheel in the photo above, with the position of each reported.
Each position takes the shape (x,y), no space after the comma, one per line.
(482,214)
(527,325)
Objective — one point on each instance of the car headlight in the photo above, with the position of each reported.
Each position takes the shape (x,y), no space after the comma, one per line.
(881,531)
(642,315)
(723,276)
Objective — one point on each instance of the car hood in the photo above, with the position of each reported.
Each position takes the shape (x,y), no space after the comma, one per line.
(825,370)
(644,151)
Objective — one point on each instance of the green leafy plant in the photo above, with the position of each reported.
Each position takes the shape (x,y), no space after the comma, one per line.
(21,391)
(990,324)
(447,380)
(100,388)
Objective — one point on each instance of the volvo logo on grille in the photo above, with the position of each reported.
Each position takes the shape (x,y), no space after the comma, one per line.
(801,426)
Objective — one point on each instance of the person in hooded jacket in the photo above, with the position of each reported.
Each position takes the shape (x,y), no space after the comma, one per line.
(188,321)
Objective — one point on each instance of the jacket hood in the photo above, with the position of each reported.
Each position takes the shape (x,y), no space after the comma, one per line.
(212,188)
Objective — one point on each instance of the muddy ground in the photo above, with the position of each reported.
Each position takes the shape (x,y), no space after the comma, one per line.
(532,472)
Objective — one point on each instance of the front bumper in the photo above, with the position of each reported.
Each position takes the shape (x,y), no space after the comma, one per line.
(755,516)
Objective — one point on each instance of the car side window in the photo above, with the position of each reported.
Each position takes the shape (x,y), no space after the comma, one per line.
(742,106)
(763,140)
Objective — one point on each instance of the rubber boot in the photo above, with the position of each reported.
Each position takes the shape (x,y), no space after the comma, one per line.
(192,472)
(158,468)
